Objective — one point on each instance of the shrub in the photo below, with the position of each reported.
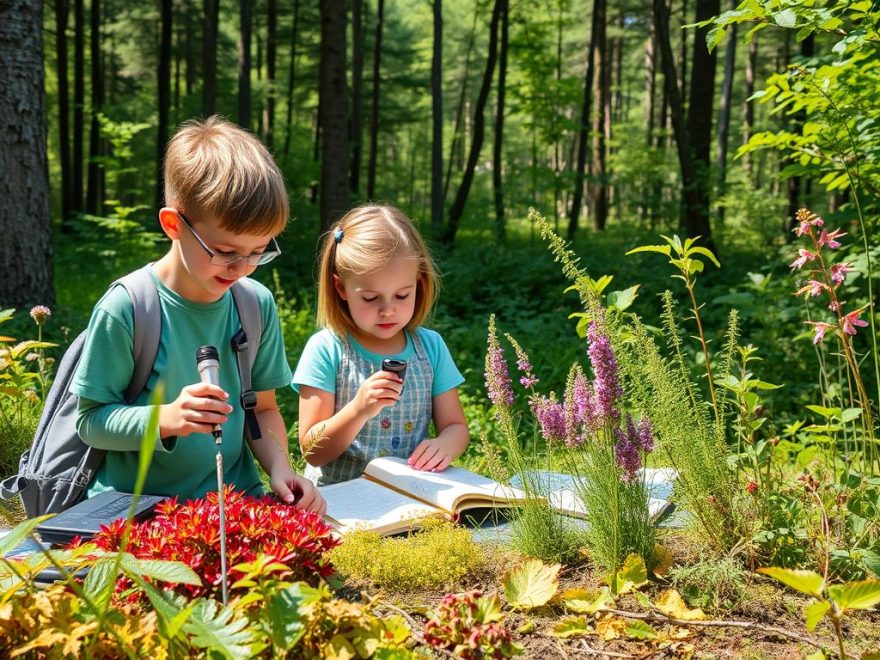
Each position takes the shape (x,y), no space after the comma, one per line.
(470,626)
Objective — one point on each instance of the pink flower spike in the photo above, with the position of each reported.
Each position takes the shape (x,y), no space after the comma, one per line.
(834,305)
(802,228)
(804,257)
(820,328)
(817,221)
(828,238)
(851,320)
(839,271)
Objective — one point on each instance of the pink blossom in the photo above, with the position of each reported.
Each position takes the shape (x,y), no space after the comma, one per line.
(839,271)
(802,228)
(804,257)
(813,288)
(834,305)
(828,238)
(820,328)
(851,320)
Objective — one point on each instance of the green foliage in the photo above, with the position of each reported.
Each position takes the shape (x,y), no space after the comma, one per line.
(539,531)
(715,585)
(439,556)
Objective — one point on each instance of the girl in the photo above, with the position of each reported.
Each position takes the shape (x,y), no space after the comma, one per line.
(376,285)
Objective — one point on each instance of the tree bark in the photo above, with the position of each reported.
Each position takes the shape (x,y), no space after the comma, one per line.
(749,104)
(62,11)
(271,50)
(794,183)
(163,84)
(459,112)
(357,100)
(601,127)
(209,56)
(291,77)
(695,203)
(437,120)
(584,128)
(497,162)
(333,108)
(95,189)
(79,99)
(244,64)
(374,112)
(25,219)
(724,114)
(457,208)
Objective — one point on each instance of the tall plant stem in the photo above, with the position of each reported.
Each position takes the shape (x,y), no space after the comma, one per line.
(702,336)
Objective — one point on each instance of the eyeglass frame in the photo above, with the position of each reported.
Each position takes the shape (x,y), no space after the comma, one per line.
(232,259)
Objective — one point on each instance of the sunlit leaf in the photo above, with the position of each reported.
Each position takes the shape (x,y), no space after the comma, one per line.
(814,612)
(672,604)
(571,627)
(807,582)
(860,595)
(531,584)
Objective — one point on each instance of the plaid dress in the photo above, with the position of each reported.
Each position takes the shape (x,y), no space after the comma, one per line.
(396,430)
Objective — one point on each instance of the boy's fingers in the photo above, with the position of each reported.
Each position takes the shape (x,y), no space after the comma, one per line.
(207,390)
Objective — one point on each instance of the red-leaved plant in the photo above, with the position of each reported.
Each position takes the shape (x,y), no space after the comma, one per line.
(190,533)
(470,625)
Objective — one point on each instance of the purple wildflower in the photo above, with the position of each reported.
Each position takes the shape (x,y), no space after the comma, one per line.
(497,373)
(550,416)
(583,401)
(528,379)
(839,271)
(626,451)
(646,435)
(606,387)
(40,314)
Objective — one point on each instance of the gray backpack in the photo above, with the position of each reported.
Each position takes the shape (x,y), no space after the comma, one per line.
(55,472)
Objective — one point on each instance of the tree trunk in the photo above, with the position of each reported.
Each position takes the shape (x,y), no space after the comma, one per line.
(695,204)
(95,189)
(191,53)
(724,116)
(459,112)
(749,104)
(357,99)
(209,57)
(797,124)
(650,110)
(618,67)
(291,77)
(601,127)
(333,108)
(498,193)
(554,120)
(25,219)
(684,55)
(62,11)
(437,121)
(163,83)
(244,64)
(374,111)
(584,129)
(271,49)
(457,208)
(79,99)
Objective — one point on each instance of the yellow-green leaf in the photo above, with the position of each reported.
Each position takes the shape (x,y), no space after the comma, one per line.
(856,595)
(640,630)
(807,582)
(571,627)
(632,574)
(814,612)
(672,604)
(531,584)
(582,602)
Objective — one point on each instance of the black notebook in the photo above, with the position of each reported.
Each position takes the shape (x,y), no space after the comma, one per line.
(85,518)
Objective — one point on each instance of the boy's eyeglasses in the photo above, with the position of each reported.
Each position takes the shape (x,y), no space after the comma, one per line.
(229,259)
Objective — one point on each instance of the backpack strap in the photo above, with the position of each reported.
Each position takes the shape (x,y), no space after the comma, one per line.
(245,345)
(141,288)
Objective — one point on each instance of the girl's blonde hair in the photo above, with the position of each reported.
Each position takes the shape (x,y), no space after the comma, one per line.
(363,242)
(215,167)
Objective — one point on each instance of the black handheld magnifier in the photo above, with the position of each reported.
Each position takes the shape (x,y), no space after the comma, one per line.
(395,366)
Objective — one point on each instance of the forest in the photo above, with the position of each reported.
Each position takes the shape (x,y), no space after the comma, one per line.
(695,183)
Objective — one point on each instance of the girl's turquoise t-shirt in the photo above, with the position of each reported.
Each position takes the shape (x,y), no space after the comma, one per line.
(184,466)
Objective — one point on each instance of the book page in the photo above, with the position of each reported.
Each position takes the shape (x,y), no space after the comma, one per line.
(452,490)
(364,504)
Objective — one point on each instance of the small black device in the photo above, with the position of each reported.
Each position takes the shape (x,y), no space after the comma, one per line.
(395,366)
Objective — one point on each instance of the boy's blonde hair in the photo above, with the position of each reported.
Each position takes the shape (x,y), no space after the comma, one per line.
(215,168)
(371,235)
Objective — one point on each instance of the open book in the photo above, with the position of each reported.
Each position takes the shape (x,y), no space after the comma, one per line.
(392,497)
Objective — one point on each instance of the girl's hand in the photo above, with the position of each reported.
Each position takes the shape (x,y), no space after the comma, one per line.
(430,456)
(196,410)
(293,489)
(380,390)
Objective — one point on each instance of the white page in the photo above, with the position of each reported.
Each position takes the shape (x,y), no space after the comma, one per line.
(443,489)
(364,504)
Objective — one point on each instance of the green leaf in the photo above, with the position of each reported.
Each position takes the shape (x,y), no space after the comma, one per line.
(622,300)
(640,630)
(581,602)
(850,414)
(571,627)
(785,19)
(827,413)
(531,584)
(18,533)
(814,612)
(211,626)
(285,621)
(706,252)
(175,572)
(100,581)
(806,582)
(632,574)
(860,595)
(662,249)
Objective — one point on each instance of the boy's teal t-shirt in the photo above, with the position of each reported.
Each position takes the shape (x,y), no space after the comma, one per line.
(185,466)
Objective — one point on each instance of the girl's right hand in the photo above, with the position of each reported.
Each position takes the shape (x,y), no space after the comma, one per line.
(380,390)
(197,409)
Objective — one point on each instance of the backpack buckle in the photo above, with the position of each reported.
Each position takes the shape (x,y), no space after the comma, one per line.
(249,400)
(239,341)
(82,478)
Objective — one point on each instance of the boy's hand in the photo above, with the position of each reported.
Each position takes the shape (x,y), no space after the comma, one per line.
(196,410)
(293,489)
(430,456)
(380,390)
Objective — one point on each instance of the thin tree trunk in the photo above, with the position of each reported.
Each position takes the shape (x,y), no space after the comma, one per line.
(797,124)
(291,77)
(650,110)
(94,191)
(62,11)
(25,218)
(695,204)
(209,56)
(271,49)
(459,112)
(244,64)
(437,121)
(749,104)
(584,129)
(724,116)
(176,53)
(191,18)
(357,99)
(79,99)
(374,111)
(618,67)
(557,159)
(498,193)
(599,188)
(258,64)
(333,108)
(457,208)
(163,83)
(684,53)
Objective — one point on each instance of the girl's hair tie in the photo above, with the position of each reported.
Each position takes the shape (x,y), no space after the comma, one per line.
(338,234)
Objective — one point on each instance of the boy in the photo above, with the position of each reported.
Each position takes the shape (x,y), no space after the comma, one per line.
(226,202)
